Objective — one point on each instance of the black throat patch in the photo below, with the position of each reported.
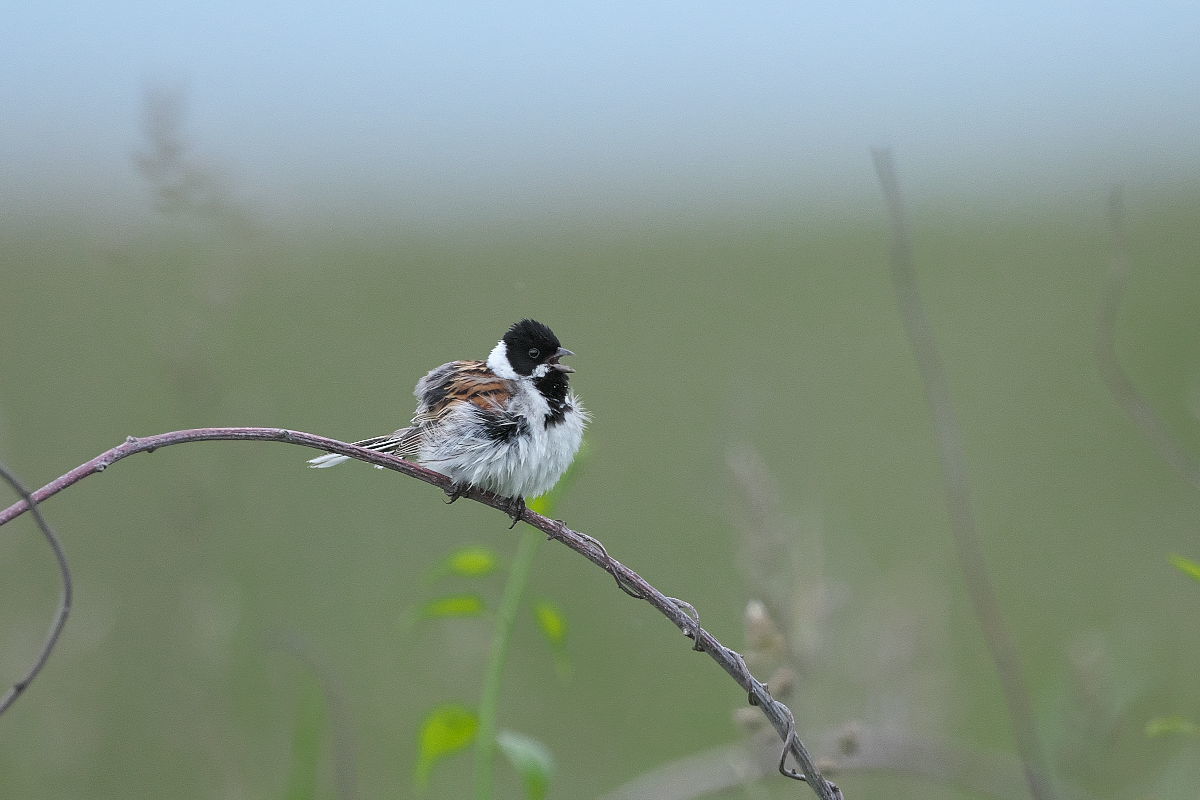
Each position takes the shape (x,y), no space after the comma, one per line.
(553,387)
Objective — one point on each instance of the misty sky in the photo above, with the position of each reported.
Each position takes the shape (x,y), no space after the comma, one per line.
(451,106)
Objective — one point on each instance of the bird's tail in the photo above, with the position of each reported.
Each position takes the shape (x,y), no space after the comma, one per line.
(380,444)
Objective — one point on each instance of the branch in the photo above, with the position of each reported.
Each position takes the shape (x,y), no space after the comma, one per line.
(680,613)
(64,604)
(1122,388)
(958,488)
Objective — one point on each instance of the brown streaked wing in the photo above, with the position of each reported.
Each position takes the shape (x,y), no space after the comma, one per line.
(469,382)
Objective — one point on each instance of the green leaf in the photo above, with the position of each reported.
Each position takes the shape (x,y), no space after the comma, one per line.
(306,745)
(447,729)
(471,562)
(1186,566)
(546,503)
(531,759)
(1176,724)
(454,605)
(551,622)
(553,625)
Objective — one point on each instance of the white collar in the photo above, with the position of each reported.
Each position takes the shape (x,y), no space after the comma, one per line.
(497,362)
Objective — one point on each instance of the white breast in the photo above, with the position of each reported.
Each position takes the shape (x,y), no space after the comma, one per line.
(526,465)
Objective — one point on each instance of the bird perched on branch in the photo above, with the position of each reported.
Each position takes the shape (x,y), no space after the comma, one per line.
(509,425)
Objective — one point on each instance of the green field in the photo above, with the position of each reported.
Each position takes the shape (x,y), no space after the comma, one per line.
(201,570)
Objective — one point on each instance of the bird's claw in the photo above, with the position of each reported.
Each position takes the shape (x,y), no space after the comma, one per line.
(515,508)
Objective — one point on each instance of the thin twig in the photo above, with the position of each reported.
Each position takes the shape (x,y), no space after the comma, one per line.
(1140,411)
(958,488)
(64,603)
(779,715)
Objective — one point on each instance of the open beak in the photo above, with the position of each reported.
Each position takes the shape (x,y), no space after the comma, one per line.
(553,362)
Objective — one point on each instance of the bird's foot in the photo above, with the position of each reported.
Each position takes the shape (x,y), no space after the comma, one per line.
(454,491)
(515,508)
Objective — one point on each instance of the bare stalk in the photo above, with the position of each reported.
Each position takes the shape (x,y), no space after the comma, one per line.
(64,603)
(1139,410)
(958,487)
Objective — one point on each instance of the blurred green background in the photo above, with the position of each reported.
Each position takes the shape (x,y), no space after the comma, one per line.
(693,338)
(752,322)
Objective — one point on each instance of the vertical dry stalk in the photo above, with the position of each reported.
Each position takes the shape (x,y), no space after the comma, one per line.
(1118,382)
(958,488)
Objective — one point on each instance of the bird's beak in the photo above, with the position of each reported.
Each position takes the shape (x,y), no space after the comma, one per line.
(553,362)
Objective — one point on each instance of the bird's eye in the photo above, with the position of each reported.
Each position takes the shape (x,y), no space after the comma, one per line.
(534,353)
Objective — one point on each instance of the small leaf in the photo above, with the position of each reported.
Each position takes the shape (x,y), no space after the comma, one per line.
(530,759)
(1176,724)
(551,622)
(553,626)
(1186,566)
(448,729)
(543,503)
(455,605)
(469,563)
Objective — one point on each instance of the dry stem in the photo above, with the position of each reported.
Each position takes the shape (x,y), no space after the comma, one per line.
(955,474)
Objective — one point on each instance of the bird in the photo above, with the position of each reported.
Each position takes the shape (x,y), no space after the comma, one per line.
(509,425)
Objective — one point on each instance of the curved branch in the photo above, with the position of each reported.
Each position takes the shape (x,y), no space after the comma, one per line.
(64,604)
(779,715)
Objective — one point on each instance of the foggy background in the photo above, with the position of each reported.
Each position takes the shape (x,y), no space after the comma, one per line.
(399,111)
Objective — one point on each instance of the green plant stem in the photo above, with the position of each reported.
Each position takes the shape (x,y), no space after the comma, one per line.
(510,601)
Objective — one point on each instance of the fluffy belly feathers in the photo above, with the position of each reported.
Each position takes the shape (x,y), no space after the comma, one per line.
(526,465)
